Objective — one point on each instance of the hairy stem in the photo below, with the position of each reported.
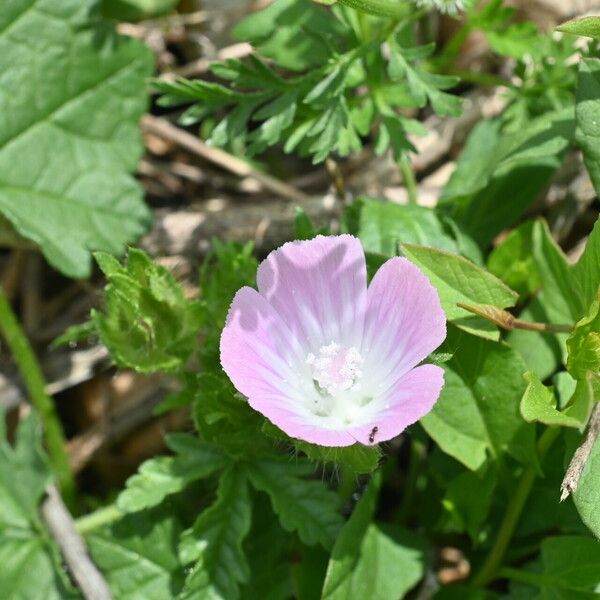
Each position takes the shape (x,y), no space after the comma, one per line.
(489,569)
(103,516)
(34,382)
(381,8)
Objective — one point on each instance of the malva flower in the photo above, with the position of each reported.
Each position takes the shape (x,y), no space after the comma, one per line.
(324,358)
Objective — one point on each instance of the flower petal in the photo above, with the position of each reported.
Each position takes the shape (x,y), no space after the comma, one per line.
(319,289)
(297,424)
(404,321)
(257,348)
(410,399)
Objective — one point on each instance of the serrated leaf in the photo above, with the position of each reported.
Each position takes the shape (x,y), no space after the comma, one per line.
(72,139)
(147,323)
(424,86)
(539,404)
(586,26)
(137,556)
(458,280)
(214,543)
(307,507)
(24,546)
(583,344)
(478,411)
(159,477)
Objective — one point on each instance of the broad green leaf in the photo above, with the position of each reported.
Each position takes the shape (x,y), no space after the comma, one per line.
(478,410)
(587,494)
(587,114)
(345,556)
(373,561)
(307,507)
(539,404)
(468,500)
(138,556)
(25,548)
(562,299)
(268,552)
(159,477)
(570,568)
(512,261)
(587,269)
(499,174)
(147,323)
(458,280)
(214,543)
(586,26)
(583,344)
(383,225)
(136,10)
(72,139)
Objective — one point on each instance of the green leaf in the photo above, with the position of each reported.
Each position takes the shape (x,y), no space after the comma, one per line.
(72,139)
(137,555)
(459,280)
(584,344)
(587,113)
(307,507)
(539,404)
(587,494)
(512,261)
(478,410)
(499,175)
(358,458)
(136,10)
(25,548)
(586,26)
(570,567)
(587,269)
(383,225)
(468,500)
(562,299)
(370,560)
(147,323)
(291,32)
(214,543)
(159,477)
(268,550)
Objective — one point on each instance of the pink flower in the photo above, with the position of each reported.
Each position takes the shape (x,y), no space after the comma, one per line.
(326,359)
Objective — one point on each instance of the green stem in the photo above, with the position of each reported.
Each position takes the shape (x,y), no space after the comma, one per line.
(347,483)
(489,569)
(34,382)
(409,179)
(103,516)
(417,454)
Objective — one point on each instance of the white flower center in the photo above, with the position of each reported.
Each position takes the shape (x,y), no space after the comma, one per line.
(337,369)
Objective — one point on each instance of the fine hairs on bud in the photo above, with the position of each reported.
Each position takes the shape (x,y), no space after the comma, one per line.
(448,7)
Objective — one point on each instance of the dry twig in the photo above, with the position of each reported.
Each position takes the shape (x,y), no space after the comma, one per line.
(190,142)
(571,480)
(61,526)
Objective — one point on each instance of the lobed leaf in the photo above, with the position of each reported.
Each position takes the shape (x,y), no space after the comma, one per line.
(307,507)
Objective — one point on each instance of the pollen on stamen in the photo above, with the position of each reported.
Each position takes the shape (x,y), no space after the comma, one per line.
(336,369)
